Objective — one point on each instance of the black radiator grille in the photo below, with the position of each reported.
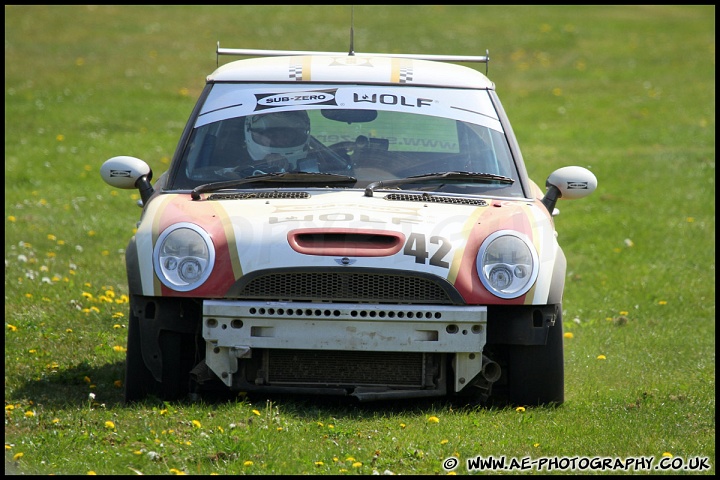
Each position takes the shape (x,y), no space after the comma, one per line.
(352,287)
(338,368)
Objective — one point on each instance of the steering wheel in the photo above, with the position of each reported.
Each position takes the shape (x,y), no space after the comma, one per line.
(346,147)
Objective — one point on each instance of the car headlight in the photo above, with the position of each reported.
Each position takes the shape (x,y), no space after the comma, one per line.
(507,264)
(184,256)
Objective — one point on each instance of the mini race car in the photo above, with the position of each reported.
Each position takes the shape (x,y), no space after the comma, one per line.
(347,224)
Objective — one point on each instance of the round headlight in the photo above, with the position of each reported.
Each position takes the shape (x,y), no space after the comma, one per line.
(184,256)
(507,264)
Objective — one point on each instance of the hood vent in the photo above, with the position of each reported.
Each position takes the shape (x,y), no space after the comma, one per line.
(346,242)
(258,195)
(408,197)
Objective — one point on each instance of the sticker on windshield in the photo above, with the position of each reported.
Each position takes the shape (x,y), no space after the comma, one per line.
(273,100)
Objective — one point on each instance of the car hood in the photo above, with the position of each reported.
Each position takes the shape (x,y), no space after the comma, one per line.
(436,236)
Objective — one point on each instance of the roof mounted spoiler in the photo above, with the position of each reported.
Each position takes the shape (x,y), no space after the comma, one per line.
(278,53)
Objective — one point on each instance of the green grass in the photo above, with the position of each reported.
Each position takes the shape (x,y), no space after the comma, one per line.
(628,92)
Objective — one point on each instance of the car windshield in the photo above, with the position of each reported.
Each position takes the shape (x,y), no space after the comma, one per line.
(369,133)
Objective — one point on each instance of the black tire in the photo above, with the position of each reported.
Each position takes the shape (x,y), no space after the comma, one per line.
(536,373)
(139,382)
(176,352)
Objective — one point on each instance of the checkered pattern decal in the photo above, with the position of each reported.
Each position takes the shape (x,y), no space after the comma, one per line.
(406,74)
(296,72)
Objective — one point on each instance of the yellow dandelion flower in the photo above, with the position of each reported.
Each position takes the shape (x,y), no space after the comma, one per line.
(220,429)
(433,419)
(119,348)
(61,242)
(118,315)
(320,424)
(138,452)
(18,456)
(117,326)
(110,425)
(28,295)
(29,414)
(12,328)
(175,471)
(8,447)
(11,218)
(60,137)
(623,313)
(247,463)
(689,219)
(601,357)
(536,445)
(357,464)
(9,407)
(163,411)
(319,464)
(55,421)
(667,454)
(279,429)
(331,426)
(68,330)
(196,424)
(350,459)
(87,295)
(91,233)
(520,409)
(568,335)
(443,441)
(51,237)
(256,412)
(402,425)
(662,302)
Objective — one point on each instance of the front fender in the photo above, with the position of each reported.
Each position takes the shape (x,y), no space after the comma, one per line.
(557,284)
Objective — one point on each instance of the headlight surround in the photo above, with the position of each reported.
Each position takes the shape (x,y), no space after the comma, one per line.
(507,264)
(184,256)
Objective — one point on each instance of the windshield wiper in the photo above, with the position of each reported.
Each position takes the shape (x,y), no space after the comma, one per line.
(299,177)
(442,177)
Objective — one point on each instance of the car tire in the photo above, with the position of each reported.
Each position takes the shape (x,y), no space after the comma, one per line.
(536,372)
(139,382)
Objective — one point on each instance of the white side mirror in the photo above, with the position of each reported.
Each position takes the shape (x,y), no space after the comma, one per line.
(568,183)
(124,172)
(573,182)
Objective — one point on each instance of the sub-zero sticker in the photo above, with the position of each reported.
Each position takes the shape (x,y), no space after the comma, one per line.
(271,100)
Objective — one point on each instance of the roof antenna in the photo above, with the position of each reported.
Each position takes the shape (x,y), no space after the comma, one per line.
(351,53)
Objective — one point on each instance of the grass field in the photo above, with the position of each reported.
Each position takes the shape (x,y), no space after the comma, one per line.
(628,92)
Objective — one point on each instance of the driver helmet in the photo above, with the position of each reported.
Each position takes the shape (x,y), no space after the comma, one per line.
(284,133)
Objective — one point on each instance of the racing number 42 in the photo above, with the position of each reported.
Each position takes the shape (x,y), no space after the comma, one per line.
(416,246)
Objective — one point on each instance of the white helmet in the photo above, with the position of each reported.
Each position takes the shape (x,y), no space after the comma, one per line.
(284,133)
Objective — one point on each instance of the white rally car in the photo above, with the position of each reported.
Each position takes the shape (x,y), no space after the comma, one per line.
(347,224)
